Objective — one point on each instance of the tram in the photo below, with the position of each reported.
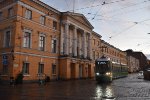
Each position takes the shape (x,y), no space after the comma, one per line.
(106,70)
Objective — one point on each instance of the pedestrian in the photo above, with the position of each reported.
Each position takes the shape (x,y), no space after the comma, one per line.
(12,81)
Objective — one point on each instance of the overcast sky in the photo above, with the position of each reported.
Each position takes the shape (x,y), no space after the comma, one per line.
(122,23)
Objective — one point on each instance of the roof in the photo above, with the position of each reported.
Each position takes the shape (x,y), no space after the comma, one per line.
(73,15)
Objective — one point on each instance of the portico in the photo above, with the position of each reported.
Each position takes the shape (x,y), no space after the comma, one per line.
(75,46)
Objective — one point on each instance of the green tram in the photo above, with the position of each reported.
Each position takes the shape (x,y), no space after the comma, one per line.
(106,70)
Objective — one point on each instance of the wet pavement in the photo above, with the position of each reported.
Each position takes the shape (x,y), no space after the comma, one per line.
(129,88)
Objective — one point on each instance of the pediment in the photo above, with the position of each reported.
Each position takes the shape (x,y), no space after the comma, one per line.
(80,18)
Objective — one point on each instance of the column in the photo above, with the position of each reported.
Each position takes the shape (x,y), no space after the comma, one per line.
(66,39)
(90,47)
(75,42)
(61,40)
(84,45)
(80,44)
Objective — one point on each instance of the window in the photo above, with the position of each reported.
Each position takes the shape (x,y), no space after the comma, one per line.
(5,69)
(53,69)
(53,46)
(1,1)
(42,20)
(94,41)
(25,68)
(28,14)
(55,25)
(10,12)
(41,69)
(42,42)
(94,55)
(7,39)
(1,16)
(27,40)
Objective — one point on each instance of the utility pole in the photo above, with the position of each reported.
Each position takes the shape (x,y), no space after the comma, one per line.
(73,6)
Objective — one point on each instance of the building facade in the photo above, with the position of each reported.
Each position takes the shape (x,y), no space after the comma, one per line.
(38,40)
(133,64)
(143,64)
(115,54)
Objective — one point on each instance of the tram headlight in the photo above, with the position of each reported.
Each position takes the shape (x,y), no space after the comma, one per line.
(108,73)
(97,74)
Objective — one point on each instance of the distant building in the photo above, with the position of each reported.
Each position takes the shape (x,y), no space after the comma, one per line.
(140,56)
(115,54)
(133,64)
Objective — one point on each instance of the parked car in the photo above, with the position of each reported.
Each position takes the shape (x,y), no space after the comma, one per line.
(140,75)
(147,74)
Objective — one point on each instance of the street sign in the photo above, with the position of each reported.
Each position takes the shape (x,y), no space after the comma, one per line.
(5,62)
(5,59)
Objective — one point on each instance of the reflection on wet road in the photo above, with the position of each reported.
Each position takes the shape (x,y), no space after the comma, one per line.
(120,89)
(104,91)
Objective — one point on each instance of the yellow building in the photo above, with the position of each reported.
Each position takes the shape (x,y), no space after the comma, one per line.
(38,40)
(29,39)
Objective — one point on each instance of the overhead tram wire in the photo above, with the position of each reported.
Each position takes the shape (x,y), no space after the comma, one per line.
(91,7)
(133,10)
(123,31)
(67,4)
(110,3)
(128,28)
(122,8)
(99,9)
(108,18)
(98,5)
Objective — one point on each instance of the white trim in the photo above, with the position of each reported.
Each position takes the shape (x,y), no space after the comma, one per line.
(67,21)
(29,31)
(41,25)
(44,35)
(37,55)
(56,45)
(36,10)
(9,6)
(48,7)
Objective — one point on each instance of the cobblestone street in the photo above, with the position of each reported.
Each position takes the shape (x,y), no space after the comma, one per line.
(130,88)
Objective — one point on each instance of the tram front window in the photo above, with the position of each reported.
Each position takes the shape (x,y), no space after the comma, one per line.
(103,68)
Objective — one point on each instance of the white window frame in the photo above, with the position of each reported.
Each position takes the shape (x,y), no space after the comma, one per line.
(55,25)
(42,20)
(41,68)
(6,41)
(52,46)
(28,14)
(44,44)
(54,69)
(26,67)
(10,12)
(30,38)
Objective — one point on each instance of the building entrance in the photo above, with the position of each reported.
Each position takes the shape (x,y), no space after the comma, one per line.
(80,71)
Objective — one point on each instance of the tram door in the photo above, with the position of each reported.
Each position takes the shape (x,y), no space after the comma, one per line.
(80,71)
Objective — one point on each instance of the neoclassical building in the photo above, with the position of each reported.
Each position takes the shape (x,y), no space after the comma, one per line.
(75,60)
(38,40)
